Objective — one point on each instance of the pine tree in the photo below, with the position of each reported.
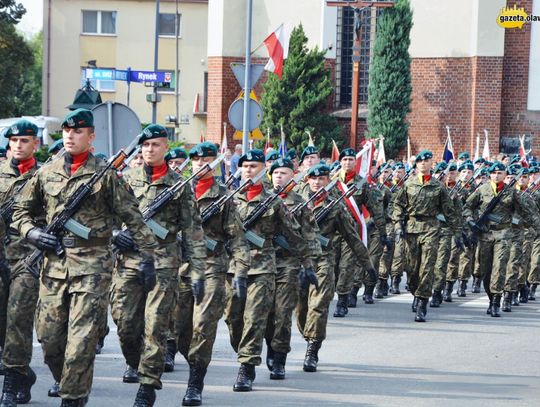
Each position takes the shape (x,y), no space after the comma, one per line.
(389,90)
(299,100)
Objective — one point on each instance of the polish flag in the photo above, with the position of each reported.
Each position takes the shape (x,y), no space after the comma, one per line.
(485,152)
(356,213)
(381,154)
(335,152)
(522,153)
(277,44)
(364,159)
(196,104)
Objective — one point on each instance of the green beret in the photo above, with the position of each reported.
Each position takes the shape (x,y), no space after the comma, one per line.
(334,165)
(484,172)
(399,166)
(308,151)
(534,170)
(21,128)
(255,155)
(272,155)
(525,171)
(464,156)
(78,119)
(440,167)
(177,152)
(480,160)
(348,152)
(101,156)
(384,167)
(424,155)
(153,131)
(533,163)
(3,152)
(466,166)
(56,146)
(319,170)
(452,167)
(497,166)
(204,149)
(281,163)
(488,164)
(515,159)
(291,154)
(513,169)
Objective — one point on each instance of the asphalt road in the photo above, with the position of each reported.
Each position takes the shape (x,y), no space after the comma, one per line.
(376,356)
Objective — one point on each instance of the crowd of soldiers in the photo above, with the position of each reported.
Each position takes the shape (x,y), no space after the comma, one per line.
(172,250)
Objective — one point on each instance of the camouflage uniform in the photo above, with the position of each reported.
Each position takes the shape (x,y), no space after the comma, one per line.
(533,277)
(247,319)
(69,330)
(385,263)
(142,319)
(4,286)
(23,287)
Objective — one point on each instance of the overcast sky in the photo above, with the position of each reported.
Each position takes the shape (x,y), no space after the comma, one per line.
(32,21)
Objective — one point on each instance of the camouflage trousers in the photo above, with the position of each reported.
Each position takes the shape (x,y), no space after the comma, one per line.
(22,300)
(278,328)
(443,257)
(534,273)
(351,271)
(374,254)
(398,259)
(421,252)
(312,306)
(514,261)
(525,265)
(385,263)
(492,256)
(183,316)
(142,321)
(4,293)
(461,268)
(247,319)
(69,320)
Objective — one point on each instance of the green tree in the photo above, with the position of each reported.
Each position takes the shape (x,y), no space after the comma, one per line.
(11,12)
(28,96)
(389,90)
(299,100)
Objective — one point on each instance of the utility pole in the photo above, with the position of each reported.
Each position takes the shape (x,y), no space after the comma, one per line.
(156,54)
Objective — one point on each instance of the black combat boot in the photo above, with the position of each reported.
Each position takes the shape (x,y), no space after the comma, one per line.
(130,375)
(476,285)
(507,302)
(312,355)
(341,306)
(379,288)
(421,310)
(395,285)
(515,298)
(524,294)
(353,297)
(170,353)
(368,294)
(74,402)
(269,356)
(414,306)
(278,370)
(462,290)
(448,291)
(436,299)
(12,383)
(146,396)
(24,394)
(245,378)
(532,293)
(496,306)
(386,288)
(54,391)
(193,396)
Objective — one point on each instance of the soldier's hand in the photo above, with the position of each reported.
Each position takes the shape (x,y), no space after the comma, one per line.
(42,240)
(399,235)
(197,288)
(239,285)
(122,240)
(147,274)
(459,243)
(386,242)
(5,272)
(307,276)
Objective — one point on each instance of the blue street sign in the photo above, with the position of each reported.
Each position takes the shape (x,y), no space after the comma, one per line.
(129,75)
(107,74)
(150,76)
(120,75)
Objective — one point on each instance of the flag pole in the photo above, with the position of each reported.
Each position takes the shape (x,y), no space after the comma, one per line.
(247,83)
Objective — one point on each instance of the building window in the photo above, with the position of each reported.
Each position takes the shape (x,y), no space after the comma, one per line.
(167,24)
(170,85)
(99,22)
(102,85)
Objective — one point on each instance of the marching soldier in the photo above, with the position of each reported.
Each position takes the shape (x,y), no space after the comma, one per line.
(533,279)
(246,319)
(21,286)
(56,147)
(176,157)
(223,229)
(422,198)
(141,311)
(69,330)
(398,258)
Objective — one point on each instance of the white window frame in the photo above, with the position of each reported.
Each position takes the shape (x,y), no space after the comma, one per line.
(99,23)
(179,16)
(96,83)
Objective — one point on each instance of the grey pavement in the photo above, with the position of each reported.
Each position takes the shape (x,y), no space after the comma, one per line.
(376,356)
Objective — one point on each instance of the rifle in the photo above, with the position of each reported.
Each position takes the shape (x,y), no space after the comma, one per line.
(180,169)
(324,212)
(130,158)
(456,190)
(532,188)
(168,194)
(233,177)
(262,207)
(73,203)
(379,186)
(313,197)
(402,180)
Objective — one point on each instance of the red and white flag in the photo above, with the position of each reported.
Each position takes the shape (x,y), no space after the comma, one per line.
(277,44)
(355,212)
(364,159)
(196,104)
(485,152)
(381,154)
(523,153)
(335,152)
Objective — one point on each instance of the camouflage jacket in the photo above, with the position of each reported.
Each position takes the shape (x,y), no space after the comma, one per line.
(308,229)
(10,182)
(225,228)
(458,210)
(2,239)
(508,206)
(527,201)
(179,215)
(111,199)
(277,220)
(417,205)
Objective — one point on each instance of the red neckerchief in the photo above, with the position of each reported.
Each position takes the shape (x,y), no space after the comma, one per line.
(500,186)
(349,176)
(522,187)
(451,184)
(320,199)
(388,184)
(157,172)
(202,186)
(23,166)
(73,162)
(253,190)
(426,178)
(283,195)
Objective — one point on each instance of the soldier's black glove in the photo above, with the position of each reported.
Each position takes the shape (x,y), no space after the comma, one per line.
(386,242)
(476,229)
(197,288)
(399,235)
(239,285)
(122,240)
(147,274)
(5,272)
(306,277)
(42,240)
(459,243)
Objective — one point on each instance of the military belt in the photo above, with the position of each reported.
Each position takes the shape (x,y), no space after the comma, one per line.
(171,238)
(423,218)
(500,226)
(71,242)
